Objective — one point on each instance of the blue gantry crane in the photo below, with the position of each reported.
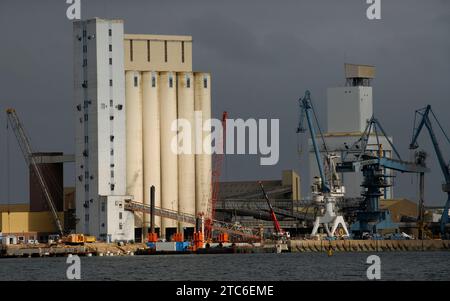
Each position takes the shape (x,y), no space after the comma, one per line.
(422,118)
(373,163)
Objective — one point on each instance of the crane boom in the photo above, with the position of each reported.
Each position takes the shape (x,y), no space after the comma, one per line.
(305,104)
(27,151)
(425,121)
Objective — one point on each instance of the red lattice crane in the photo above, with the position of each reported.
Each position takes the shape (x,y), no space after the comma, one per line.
(215,179)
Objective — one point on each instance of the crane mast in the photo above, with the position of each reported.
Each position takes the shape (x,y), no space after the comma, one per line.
(215,180)
(424,115)
(328,192)
(27,151)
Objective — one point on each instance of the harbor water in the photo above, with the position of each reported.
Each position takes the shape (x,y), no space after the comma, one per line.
(238,267)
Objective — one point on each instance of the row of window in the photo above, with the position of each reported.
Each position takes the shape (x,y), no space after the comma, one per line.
(148,51)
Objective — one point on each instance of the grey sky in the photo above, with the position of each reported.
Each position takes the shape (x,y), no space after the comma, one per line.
(262,56)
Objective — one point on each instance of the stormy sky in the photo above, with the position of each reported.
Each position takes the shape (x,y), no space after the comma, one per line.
(262,56)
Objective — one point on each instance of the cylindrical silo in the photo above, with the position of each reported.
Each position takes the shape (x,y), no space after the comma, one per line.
(186,138)
(133,100)
(202,100)
(169,160)
(151,136)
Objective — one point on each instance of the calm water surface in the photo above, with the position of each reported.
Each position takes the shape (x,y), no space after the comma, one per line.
(288,266)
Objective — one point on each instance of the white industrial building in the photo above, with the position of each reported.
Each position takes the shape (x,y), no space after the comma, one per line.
(349,108)
(129,89)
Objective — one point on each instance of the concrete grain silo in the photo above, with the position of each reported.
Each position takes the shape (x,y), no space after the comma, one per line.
(133,96)
(169,159)
(186,158)
(151,141)
(202,99)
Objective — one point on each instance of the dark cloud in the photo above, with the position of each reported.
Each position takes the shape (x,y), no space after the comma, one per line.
(262,56)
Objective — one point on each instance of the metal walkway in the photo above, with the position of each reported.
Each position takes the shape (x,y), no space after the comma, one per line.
(230,228)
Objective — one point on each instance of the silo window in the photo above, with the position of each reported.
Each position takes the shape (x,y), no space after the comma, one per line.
(84,84)
(112,152)
(110,61)
(80,178)
(153,81)
(112,187)
(86,139)
(109,32)
(111,165)
(148,50)
(135,81)
(182,51)
(188,82)
(170,82)
(110,82)
(205,83)
(84,48)
(119,107)
(85,117)
(86,174)
(111,117)
(120,226)
(120,215)
(112,173)
(103,208)
(86,217)
(86,187)
(84,62)
(111,102)
(131,50)
(165,51)
(79,107)
(85,153)
(110,47)
(111,138)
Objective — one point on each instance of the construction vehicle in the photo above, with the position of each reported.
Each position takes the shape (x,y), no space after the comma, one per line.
(78,239)
(326,189)
(421,119)
(279,233)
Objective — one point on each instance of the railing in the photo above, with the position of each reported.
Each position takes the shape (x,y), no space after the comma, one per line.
(231,228)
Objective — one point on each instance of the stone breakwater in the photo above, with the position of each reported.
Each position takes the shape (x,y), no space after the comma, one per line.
(368,245)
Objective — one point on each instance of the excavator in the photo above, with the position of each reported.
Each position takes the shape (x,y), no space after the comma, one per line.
(279,233)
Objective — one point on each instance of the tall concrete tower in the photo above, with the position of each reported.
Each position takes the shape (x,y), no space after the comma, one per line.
(349,108)
(100,138)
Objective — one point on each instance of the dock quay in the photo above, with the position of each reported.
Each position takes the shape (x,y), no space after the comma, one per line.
(368,245)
